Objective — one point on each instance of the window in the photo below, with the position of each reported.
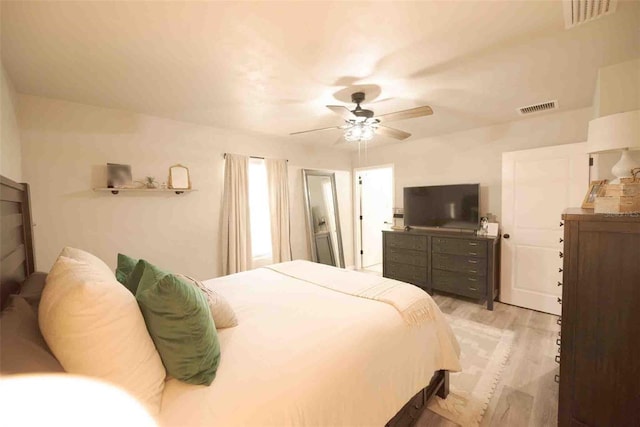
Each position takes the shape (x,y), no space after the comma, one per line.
(259,213)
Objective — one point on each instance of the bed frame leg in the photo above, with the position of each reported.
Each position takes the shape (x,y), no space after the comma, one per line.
(443,391)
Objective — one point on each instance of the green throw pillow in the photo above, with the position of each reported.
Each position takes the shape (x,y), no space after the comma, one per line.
(179,321)
(125,267)
(129,272)
(133,281)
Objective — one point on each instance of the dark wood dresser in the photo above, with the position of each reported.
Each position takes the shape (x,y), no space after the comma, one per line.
(457,263)
(600,336)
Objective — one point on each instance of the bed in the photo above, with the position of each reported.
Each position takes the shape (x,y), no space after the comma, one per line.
(288,362)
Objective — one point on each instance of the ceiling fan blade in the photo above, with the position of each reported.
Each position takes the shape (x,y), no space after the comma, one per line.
(342,111)
(393,133)
(406,114)
(316,130)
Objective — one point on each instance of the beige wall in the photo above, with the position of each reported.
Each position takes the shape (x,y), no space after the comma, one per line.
(66,147)
(474,156)
(617,89)
(10,147)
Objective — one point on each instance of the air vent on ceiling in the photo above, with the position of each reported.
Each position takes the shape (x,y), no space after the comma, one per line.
(537,108)
(578,12)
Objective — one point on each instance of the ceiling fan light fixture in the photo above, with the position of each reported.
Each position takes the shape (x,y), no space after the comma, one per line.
(359,131)
(361,124)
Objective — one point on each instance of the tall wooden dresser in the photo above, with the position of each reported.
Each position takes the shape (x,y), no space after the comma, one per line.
(600,336)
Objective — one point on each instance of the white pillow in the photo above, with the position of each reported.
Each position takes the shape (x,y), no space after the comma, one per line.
(96,263)
(222,313)
(94,327)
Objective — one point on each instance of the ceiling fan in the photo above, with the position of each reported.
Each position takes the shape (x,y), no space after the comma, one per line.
(361,125)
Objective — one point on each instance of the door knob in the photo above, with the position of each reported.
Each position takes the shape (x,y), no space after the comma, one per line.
(506,236)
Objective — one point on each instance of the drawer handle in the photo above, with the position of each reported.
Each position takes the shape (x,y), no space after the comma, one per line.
(561,240)
(473,244)
(473,253)
(472,279)
(557,359)
(559,321)
(560,301)
(472,288)
(556,378)
(558,342)
(559,283)
(560,254)
(473,271)
(560,270)
(473,261)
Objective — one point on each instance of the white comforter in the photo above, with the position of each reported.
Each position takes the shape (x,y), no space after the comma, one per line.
(306,355)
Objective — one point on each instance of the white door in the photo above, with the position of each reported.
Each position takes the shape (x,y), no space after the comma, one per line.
(537,185)
(375,211)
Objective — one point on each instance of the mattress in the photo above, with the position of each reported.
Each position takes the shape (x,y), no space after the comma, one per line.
(306,355)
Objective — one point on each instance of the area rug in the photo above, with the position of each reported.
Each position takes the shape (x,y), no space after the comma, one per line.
(484,353)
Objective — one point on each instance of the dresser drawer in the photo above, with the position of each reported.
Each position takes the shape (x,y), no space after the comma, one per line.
(460,264)
(406,273)
(405,241)
(406,256)
(459,247)
(461,284)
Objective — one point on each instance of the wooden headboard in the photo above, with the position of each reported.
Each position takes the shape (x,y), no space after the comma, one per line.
(17,259)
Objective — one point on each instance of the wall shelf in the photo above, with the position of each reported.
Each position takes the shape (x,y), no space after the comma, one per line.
(144,190)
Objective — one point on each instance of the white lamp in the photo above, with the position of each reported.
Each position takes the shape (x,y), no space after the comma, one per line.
(617,132)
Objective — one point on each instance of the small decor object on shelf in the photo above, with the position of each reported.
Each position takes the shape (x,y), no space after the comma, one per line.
(150,182)
(597,188)
(484,226)
(493,228)
(179,177)
(398,219)
(622,198)
(119,176)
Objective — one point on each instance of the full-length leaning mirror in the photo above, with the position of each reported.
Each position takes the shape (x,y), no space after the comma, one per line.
(323,220)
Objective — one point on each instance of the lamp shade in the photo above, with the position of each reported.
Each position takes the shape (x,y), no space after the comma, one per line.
(615,132)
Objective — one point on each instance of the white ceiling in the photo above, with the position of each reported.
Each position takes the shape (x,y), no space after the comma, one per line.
(270,67)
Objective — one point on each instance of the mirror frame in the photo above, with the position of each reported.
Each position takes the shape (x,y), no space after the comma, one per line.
(306,173)
(188,187)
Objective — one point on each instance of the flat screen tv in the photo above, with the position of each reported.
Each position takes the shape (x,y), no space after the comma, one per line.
(445,206)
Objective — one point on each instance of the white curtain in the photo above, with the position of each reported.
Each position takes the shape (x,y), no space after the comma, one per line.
(278,181)
(236,223)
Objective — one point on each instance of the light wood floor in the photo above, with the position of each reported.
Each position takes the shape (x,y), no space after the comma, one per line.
(527,395)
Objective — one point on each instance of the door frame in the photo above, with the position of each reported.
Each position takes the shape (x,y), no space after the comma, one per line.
(356,207)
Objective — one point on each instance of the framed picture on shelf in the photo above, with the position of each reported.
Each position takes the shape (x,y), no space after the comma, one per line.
(119,176)
(595,189)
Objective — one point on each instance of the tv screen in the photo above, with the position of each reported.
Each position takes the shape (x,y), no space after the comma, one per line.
(447,206)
